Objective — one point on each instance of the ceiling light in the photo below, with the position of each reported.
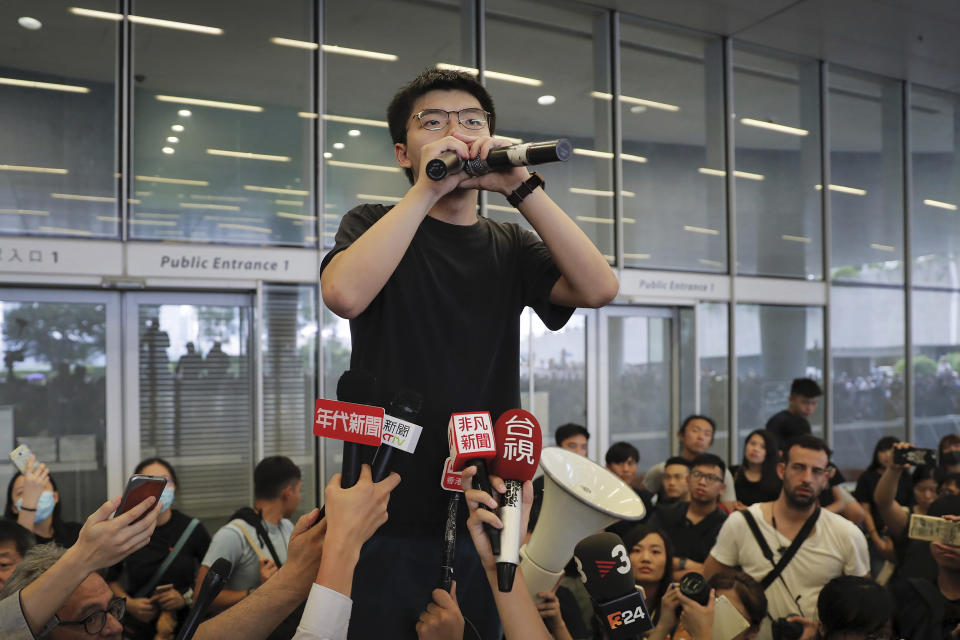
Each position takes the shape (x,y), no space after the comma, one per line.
(143,214)
(358,165)
(299,44)
(338,145)
(307,114)
(244,227)
(196,183)
(291,192)
(359,53)
(195,196)
(599,192)
(629,157)
(607,154)
(882,247)
(639,108)
(593,219)
(153,22)
(155,223)
(353,132)
(27,169)
(295,216)
(169,150)
(177,127)
(663,106)
(737,174)
(29,23)
(842,189)
(173,139)
(704,230)
(495,75)
(230,219)
(247,155)
(295,203)
(781,128)
(351,120)
(546,100)
(500,207)
(186,113)
(64,230)
(327,155)
(378,198)
(143,193)
(940,205)
(210,103)
(50,86)
(710,263)
(204,205)
(72,196)
(803,239)
(25,212)
(637,256)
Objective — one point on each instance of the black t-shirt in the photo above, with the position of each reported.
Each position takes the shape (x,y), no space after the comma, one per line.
(826,496)
(913,557)
(692,541)
(921,611)
(140,566)
(780,426)
(447,325)
(867,484)
(749,492)
(65,534)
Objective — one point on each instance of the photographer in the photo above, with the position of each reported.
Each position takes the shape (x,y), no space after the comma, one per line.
(684,618)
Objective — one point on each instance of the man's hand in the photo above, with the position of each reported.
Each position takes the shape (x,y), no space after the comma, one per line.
(267,569)
(306,547)
(478,517)
(467,147)
(696,618)
(503,182)
(354,514)
(549,608)
(442,620)
(811,630)
(35,480)
(103,542)
(143,609)
(168,600)
(900,445)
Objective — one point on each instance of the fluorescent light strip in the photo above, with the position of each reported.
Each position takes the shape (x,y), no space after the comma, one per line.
(359,165)
(737,174)
(842,189)
(73,232)
(210,103)
(294,216)
(290,192)
(157,215)
(500,207)
(710,263)
(359,53)
(331,216)
(378,198)
(637,256)
(803,239)
(307,114)
(494,75)
(383,124)
(152,22)
(607,155)
(594,219)
(771,126)
(599,192)
(295,203)
(26,169)
(206,206)
(940,205)
(72,196)
(244,227)
(297,44)
(707,231)
(155,223)
(25,212)
(196,196)
(230,219)
(196,183)
(108,219)
(882,247)
(49,86)
(246,155)
(663,106)
(142,193)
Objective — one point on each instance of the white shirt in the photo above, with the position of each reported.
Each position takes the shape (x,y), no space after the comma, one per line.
(326,616)
(835,547)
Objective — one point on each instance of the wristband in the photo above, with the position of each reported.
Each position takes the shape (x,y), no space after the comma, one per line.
(682,563)
(525,189)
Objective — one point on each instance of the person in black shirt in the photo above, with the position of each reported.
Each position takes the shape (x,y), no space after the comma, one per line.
(804,397)
(692,527)
(622,459)
(160,602)
(881,544)
(434,295)
(756,480)
(33,502)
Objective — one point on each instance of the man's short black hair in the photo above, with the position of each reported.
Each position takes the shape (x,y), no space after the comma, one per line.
(805,387)
(569,430)
(947,505)
(710,460)
(950,478)
(272,475)
(691,418)
(21,538)
(805,441)
(677,460)
(430,79)
(622,452)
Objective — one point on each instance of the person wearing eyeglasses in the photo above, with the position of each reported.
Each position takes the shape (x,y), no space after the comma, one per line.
(434,292)
(693,526)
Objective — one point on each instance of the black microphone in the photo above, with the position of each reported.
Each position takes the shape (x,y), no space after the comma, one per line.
(604,566)
(405,405)
(500,159)
(359,387)
(213,584)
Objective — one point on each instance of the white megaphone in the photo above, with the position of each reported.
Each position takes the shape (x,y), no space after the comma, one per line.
(579,498)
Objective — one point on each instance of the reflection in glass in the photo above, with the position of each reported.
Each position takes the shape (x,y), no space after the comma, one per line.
(53,396)
(673,144)
(775,344)
(58,171)
(936,365)
(777,137)
(220,153)
(714,369)
(335,351)
(866,183)
(560,373)
(867,333)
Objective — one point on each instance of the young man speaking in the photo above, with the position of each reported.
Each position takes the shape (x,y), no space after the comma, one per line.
(434,294)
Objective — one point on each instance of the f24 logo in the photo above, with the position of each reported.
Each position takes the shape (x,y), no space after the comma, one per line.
(622,618)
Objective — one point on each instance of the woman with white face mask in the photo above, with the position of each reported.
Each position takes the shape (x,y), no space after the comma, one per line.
(157,579)
(33,502)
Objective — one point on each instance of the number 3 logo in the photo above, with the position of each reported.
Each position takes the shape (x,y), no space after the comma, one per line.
(583,576)
(619,552)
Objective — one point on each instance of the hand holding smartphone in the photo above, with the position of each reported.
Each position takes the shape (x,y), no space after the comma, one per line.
(21,457)
(139,488)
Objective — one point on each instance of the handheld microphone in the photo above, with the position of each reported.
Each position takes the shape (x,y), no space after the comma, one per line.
(398,431)
(211,587)
(500,159)
(519,440)
(470,436)
(450,481)
(604,566)
(359,387)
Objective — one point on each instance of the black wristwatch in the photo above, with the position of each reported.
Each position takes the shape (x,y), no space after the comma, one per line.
(525,189)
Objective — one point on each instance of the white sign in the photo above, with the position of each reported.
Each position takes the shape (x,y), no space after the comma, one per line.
(664,284)
(248,263)
(87,257)
(400,434)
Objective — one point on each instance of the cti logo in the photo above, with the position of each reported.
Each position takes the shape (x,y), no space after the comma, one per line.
(604,566)
(620,618)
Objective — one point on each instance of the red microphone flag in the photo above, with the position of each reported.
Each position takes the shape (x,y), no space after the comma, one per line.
(470,436)
(519,441)
(347,421)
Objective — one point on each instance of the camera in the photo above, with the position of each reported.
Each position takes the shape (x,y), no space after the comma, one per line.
(783,630)
(915,456)
(694,586)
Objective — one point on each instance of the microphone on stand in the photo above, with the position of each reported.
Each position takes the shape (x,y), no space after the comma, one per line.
(519,441)
(470,436)
(211,587)
(500,159)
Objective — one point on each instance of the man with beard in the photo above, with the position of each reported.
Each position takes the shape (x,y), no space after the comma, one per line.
(830,545)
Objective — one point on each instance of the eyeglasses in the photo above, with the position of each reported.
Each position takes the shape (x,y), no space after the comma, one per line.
(96,621)
(709,477)
(437,119)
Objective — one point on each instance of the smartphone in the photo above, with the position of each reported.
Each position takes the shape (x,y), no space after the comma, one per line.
(918,457)
(139,488)
(21,456)
(727,621)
